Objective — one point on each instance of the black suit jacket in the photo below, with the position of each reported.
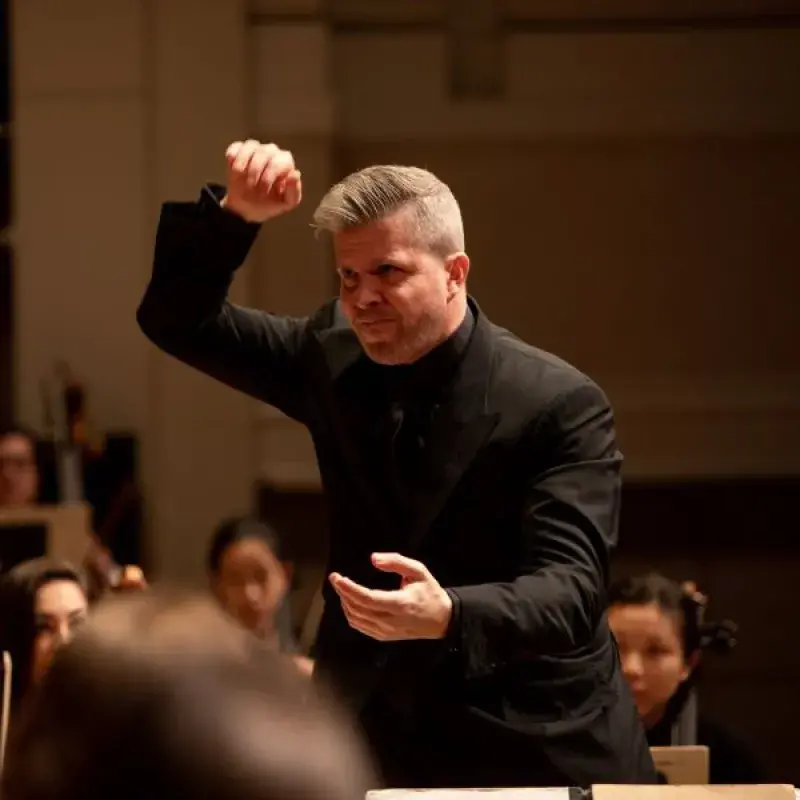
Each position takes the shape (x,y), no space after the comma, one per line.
(517,518)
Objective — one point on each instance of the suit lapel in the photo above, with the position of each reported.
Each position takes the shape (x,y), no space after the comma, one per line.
(337,339)
(456,444)
(460,428)
(347,403)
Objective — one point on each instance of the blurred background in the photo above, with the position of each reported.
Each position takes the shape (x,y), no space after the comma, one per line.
(629,173)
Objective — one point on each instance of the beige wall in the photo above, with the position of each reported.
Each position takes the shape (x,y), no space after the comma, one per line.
(121,104)
(660,268)
(629,204)
(628,201)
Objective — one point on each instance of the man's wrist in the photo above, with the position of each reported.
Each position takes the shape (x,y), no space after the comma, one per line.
(212,195)
(225,203)
(453,627)
(213,200)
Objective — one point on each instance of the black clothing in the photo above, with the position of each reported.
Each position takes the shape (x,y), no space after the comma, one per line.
(512,502)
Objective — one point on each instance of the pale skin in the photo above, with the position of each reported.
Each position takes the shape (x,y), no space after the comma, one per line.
(402,300)
(19,477)
(250,585)
(61,607)
(652,656)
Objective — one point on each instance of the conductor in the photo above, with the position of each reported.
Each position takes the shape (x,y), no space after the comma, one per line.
(472,480)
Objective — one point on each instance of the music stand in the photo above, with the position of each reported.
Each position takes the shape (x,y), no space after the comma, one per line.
(61,532)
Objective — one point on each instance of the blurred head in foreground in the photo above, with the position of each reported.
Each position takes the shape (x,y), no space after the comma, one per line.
(164,696)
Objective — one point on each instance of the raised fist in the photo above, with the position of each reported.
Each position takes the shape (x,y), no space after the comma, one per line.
(262,181)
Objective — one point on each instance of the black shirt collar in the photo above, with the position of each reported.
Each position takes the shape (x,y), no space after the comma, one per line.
(434,369)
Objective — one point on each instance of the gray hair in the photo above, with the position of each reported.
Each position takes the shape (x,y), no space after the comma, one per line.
(376,192)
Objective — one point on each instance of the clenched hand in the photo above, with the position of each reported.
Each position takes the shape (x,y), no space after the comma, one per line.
(262,181)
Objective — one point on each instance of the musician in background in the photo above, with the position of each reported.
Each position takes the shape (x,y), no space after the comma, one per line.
(42,603)
(251,582)
(660,632)
(19,473)
(19,487)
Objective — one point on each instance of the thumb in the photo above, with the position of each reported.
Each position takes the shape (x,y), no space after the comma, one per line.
(401,565)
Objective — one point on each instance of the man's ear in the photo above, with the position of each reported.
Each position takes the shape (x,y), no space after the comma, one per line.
(457,269)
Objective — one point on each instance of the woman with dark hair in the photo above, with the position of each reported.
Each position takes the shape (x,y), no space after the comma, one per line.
(42,602)
(251,581)
(661,633)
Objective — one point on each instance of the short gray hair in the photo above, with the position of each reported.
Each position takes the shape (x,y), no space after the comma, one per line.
(376,192)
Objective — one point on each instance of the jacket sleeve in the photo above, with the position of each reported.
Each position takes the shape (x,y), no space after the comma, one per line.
(568,526)
(186,313)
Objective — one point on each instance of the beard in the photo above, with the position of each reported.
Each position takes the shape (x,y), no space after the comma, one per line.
(407,345)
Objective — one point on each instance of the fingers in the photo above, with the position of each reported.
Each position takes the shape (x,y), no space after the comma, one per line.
(371,612)
(402,565)
(369,599)
(254,169)
(367,625)
(232,152)
(378,625)
(133,574)
(292,189)
(239,155)
(363,609)
(263,170)
(279,166)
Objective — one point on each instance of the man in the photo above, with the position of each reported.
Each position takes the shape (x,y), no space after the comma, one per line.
(473,480)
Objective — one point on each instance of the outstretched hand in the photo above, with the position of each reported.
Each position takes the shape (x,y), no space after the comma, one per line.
(262,181)
(419,609)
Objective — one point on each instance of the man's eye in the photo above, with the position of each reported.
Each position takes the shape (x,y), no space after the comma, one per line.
(386,269)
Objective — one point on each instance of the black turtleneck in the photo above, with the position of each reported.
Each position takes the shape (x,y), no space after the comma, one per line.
(407,400)
(426,377)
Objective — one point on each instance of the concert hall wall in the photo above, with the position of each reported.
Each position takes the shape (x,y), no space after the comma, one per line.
(635,217)
(629,174)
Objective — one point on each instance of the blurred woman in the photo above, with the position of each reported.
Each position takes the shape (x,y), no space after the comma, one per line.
(660,632)
(42,603)
(251,582)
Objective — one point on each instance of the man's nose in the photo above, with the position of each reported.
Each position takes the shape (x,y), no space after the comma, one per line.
(367,294)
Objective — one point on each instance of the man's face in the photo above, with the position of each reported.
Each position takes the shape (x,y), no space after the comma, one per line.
(396,294)
(19,477)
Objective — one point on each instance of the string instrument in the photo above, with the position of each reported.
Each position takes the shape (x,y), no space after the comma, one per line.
(702,635)
(67,422)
